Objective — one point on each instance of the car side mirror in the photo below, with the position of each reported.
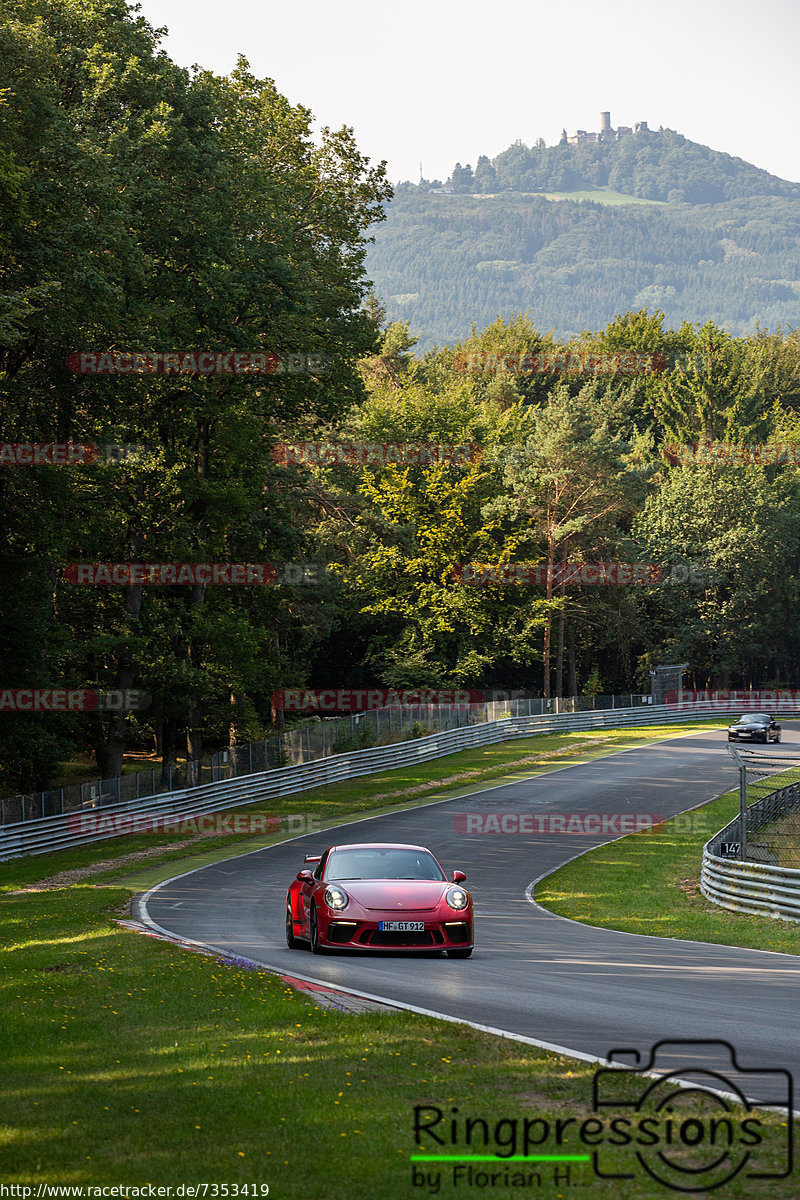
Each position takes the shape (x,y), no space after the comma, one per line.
(305,877)
(458,877)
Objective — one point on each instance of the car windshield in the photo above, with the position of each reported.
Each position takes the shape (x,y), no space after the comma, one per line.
(382,862)
(754,719)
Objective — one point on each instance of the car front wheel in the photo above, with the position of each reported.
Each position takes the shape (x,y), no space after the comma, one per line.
(459,953)
(291,941)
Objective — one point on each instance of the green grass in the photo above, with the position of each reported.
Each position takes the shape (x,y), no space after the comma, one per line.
(128,1061)
(124,1060)
(599,196)
(650,883)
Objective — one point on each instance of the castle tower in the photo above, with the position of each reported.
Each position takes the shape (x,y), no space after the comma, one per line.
(605,122)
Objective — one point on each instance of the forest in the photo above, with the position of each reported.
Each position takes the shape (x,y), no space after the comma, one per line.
(447,262)
(156,221)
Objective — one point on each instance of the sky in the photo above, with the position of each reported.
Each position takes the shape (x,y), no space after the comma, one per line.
(440,81)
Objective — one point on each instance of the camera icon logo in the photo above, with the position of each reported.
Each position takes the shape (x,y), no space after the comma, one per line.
(687,1125)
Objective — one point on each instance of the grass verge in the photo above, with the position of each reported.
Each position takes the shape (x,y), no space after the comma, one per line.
(650,883)
(128,1062)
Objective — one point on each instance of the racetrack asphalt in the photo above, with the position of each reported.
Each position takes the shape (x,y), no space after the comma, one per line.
(533,974)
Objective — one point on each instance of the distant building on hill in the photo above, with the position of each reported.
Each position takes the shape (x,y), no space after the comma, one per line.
(606,134)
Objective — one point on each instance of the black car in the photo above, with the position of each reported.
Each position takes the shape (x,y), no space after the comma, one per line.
(755,727)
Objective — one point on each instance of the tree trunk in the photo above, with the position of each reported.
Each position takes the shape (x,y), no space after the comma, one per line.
(194,728)
(562,587)
(573,677)
(114,749)
(560,656)
(169,749)
(237,702)
(276,714)
(194,743)
(548,618)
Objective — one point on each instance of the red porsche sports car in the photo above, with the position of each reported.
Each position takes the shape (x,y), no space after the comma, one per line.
(379,896)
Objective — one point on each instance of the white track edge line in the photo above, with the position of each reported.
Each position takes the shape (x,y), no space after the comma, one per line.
(550,1047)
(529,890)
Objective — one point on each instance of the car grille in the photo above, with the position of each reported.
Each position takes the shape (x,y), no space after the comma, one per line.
(458,931)
(402,937)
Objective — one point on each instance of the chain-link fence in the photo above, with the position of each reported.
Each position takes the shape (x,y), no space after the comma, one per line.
(769,801)
(311,740)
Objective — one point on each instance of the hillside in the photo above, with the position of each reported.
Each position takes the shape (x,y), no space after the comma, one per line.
(661,165)
(446,261)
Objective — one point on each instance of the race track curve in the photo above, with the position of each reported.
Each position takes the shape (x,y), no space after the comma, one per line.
(533,974)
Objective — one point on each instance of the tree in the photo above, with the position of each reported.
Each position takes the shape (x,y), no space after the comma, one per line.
(108,139)
(485,175)
(461,178)
(739,527)
(567,491)
(719,394)
(393,357)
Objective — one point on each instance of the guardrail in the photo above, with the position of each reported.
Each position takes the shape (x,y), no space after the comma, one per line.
(304,743)
(40,836)
(751,887)
(758,887)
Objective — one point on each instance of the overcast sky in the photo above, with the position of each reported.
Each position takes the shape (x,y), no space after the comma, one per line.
(436,81)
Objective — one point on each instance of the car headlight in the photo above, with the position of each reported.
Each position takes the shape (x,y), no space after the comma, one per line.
(457,898)
(336,899)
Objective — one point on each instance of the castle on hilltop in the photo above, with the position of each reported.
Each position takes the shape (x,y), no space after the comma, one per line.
(606,134)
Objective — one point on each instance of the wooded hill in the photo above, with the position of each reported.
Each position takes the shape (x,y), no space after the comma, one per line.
(661,165)
(703,233)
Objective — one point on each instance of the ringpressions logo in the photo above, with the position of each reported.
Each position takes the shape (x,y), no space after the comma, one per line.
(685,1128)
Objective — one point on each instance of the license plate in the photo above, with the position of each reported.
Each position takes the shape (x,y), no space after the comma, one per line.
(401,926)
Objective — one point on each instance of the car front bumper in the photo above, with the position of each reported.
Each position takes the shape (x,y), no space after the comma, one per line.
(455,933)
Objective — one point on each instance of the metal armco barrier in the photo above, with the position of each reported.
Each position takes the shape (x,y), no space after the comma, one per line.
(762,887)
(751,887)
(63,830)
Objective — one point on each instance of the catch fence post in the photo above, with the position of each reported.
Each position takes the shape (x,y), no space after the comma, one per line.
(742,810)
